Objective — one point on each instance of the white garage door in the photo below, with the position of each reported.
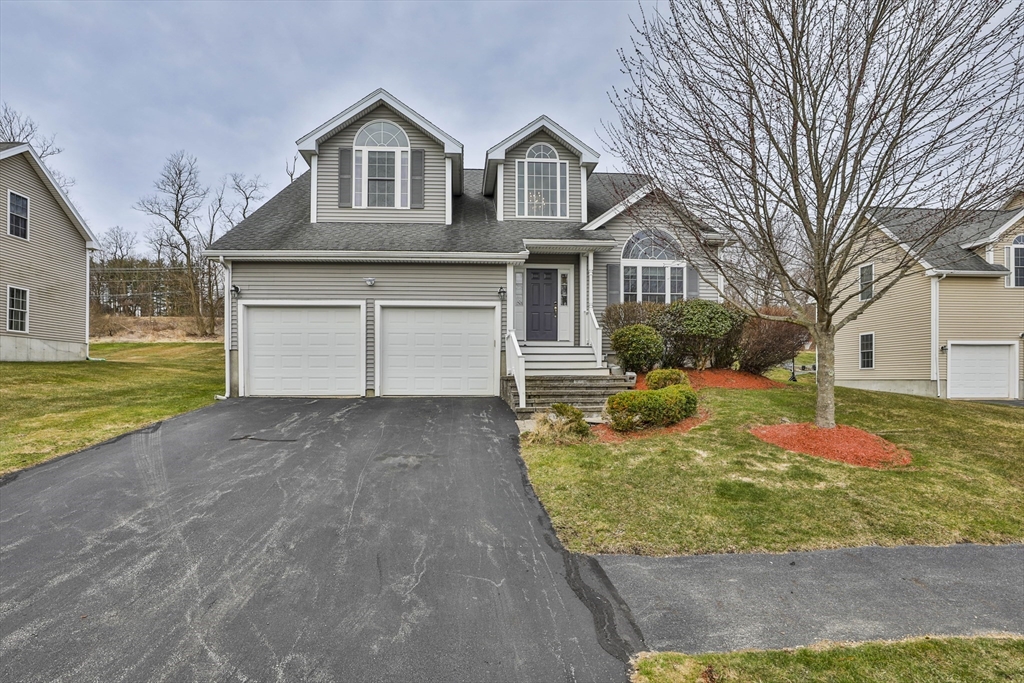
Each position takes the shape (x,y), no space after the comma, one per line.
(437,352)
(980,370)
(303,351)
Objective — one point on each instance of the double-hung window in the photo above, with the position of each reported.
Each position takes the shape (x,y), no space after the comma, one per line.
(17,215)
(867,282)
(652,270)
(542,184)
(1016,262)
(17,309)
(380,173)
(867,351)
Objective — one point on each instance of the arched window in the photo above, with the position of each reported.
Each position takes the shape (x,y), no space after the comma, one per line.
(653,270)
(1016,264)
(542,184)
(380,166)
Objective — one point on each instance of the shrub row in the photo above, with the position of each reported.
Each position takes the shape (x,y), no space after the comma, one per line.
(632,410)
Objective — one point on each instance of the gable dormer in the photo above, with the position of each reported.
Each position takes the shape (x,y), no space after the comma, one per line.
(380,161)
(540,173)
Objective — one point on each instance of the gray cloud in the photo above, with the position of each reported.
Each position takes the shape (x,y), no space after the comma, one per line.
(125,84)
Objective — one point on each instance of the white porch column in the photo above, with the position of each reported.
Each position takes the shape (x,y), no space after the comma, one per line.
(584,300)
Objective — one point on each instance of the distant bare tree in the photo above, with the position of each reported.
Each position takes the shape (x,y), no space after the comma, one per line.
(118,244)
(290,170)
(783,124)
(249,191)
(17,128)
(176,209)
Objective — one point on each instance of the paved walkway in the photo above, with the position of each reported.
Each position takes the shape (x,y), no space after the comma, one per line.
(714,603)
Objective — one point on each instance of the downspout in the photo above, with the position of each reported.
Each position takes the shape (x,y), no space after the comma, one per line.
(227,329)
(935,334)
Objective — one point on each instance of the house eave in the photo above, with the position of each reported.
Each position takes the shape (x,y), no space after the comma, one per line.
(544,246)
(495,155)
(936,272)
(329,256)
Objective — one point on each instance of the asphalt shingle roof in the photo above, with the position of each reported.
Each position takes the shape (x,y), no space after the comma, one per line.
(909,225)
(283,223)
(8,145)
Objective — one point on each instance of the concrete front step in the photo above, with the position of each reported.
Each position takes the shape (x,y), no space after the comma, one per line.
(562,364)
(586,393)
(581,372)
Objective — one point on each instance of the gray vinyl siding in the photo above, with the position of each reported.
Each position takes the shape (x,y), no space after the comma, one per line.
(394,281)
(621,228)
(433,210)
(51,264)
(519,152)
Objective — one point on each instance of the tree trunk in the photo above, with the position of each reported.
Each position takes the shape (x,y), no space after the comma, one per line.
(825,411)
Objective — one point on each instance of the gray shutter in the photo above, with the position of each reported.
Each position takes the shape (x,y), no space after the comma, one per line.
(692,283)
(1008,262)
(416,179)
(345,178)
(614,294)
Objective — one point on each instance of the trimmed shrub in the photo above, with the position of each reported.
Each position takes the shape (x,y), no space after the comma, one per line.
(631,410)
(639,347)
(692,330)
(659,379)
(767,343)
(617,316)
(564,424)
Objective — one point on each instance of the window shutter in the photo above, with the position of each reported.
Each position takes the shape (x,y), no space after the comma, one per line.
(614,293)
(345,178)
(692,283)
(416,179)
(1008,262)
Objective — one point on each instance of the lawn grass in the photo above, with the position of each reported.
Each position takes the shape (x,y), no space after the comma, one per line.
(922,660)
(48,409)
(719,489)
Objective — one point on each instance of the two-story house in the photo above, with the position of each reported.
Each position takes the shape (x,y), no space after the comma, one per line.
(44,263)
(391,269)
(953,327)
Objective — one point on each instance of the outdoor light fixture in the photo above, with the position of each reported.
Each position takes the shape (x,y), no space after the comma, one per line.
(943,349)
(235,290)
(369,281)
(501,293)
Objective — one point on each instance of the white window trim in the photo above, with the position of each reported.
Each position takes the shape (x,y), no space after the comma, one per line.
(244,304)
(650,263)
(1012,264)
(1014,372)
(860,350)
(28,216)
(7,306)
(860,281)
(364,179)
(559,165)
(378,317)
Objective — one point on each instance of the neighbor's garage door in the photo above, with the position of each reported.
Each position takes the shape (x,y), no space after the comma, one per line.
(303,351)
(980,371)
(437,351)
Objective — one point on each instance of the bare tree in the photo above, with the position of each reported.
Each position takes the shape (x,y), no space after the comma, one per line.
(176,209)
(249,191)
(783,124)
(118,244)
(290,169)
(17,128)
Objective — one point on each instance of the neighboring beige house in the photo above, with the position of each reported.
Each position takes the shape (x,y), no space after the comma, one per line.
(390,269)
(954,327)
(44,263)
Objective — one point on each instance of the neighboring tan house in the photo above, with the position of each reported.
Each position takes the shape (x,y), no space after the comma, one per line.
(44,263)
(954,326)
(389,269)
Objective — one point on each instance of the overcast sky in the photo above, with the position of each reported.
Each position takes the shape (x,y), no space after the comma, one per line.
(125,84)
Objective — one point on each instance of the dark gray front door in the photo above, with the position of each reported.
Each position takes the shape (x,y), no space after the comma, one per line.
(542,304)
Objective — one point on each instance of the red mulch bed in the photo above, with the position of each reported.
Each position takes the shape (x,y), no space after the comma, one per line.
(843,444)
(606,434)
(730,379)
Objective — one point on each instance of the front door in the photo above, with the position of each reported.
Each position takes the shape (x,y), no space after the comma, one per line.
(542,304)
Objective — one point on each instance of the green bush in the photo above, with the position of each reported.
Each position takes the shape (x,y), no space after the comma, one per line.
(564,424)
(729,349)
(639,347)
(692,330)
(632,410)
(659,379)
(617,316)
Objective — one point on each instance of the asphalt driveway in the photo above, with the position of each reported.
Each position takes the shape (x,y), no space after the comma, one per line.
(314,540)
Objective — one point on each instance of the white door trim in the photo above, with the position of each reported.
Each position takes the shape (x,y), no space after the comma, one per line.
(1014,377)
(397,303)
(243,304)
(566,332)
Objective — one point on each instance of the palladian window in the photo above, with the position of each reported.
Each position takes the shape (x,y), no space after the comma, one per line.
(542,184)
(381,166)
(653,269)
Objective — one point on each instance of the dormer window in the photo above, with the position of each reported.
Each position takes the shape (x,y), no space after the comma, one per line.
(542,184)
(381,165)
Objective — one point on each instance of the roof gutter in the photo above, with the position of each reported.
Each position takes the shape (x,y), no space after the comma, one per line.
(943,272)
(367,256)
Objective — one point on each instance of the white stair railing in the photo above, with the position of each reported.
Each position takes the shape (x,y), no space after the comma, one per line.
(593,335)
(516,363)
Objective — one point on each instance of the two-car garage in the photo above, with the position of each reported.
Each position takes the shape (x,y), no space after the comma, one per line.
(328,348)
